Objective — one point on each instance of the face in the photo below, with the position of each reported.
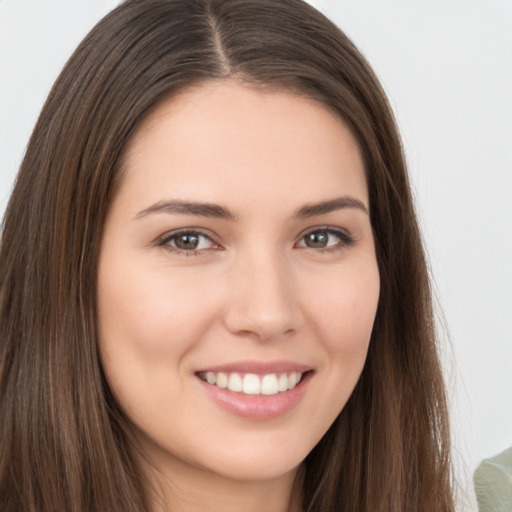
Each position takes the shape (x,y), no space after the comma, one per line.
(237,282)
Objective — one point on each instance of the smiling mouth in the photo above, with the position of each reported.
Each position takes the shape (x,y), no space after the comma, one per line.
(253,384)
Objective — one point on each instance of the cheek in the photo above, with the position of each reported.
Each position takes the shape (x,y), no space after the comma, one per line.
(341,315)
(149,320)
(345,311)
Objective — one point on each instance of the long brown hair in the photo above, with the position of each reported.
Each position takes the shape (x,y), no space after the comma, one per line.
(63,444)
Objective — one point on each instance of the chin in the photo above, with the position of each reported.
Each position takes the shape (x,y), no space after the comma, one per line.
(258,469)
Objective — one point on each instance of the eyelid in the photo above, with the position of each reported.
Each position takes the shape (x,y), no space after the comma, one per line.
(346,239)
(163,240)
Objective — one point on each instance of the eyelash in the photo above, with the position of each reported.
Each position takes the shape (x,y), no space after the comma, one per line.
(165,241)
(345,240)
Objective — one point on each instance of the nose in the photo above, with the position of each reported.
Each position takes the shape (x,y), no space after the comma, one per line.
(263,302)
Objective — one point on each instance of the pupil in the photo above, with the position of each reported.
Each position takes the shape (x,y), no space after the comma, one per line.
(187,242)
(317,239)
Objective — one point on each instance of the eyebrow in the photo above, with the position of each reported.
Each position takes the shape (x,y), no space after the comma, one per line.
(220,212)
(189,208)
(324,207)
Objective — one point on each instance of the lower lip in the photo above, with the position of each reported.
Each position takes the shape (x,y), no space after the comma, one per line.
(257,407)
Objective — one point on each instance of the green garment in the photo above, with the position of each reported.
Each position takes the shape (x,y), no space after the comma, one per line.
(493,483)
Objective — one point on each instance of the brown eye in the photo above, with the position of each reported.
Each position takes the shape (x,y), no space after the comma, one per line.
(187,242)
(317,239)
(326,239)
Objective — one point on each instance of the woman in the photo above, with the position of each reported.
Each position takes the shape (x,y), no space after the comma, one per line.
(214,294)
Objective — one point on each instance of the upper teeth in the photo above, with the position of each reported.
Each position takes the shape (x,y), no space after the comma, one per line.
(253,384)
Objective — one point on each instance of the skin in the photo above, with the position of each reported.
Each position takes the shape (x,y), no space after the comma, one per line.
(253,290)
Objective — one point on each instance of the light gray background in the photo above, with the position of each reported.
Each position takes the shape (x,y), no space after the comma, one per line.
(447,67)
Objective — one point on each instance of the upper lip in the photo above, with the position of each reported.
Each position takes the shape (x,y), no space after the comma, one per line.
(258,367)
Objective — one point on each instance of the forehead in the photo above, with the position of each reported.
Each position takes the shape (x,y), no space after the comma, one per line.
(222,137)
